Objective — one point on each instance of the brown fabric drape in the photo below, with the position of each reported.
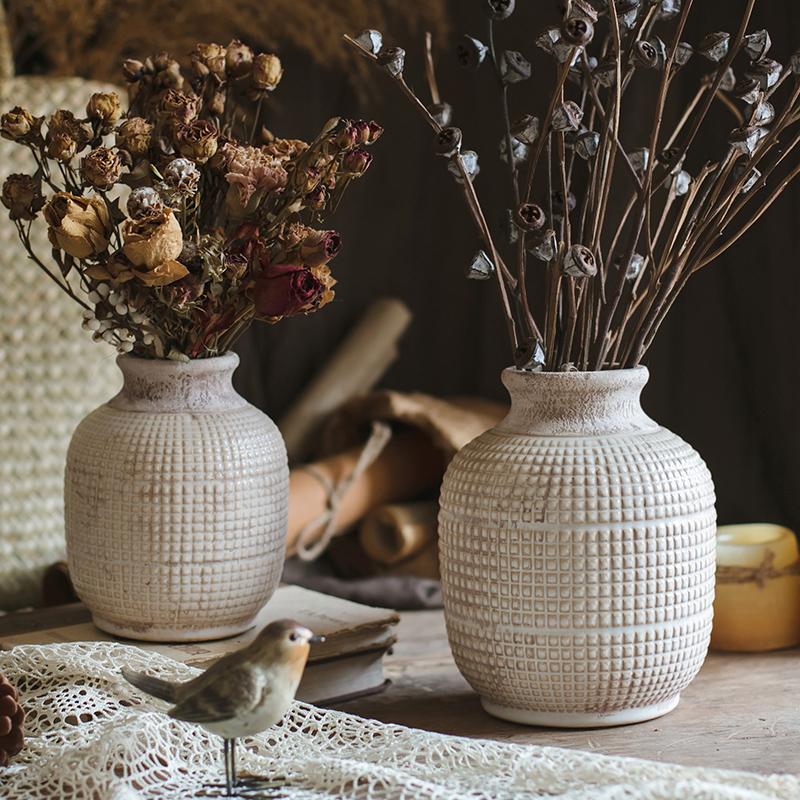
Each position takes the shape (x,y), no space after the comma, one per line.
(724,369)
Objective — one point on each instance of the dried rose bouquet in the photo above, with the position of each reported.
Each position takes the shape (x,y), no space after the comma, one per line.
(216,227)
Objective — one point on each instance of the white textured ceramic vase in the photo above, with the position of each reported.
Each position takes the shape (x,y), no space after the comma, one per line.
(577,555)
(176,496)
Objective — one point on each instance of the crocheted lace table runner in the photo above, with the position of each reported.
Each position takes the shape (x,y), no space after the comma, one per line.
(92,735)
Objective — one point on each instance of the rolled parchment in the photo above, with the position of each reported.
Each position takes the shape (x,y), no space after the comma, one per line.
(355,367)
(399,531)
(409,466)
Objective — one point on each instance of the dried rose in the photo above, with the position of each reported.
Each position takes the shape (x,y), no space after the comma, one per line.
(152,239)
(319,247)
(285,149)
(238,59)
(144,199)
(208,58)
(104,108)
(266,72)
(79,226)
(22,196)
(117,269)
(101,168)
(182,175)
(197,140)
(134,136)
(356,162)
(178,107)
(66,136)
(282,290)
(20,125)
(251,170)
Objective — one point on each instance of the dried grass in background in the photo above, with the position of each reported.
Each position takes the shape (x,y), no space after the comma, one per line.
(90,38)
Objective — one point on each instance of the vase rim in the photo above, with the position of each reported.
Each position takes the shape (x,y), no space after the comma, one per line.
(226,361)
(579,373)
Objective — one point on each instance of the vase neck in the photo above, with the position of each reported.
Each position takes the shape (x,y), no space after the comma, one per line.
(576,403)
(177,386)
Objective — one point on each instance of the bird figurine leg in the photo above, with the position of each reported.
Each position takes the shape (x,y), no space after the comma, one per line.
(228,776)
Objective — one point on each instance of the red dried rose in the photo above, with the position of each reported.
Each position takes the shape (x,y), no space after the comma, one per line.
(282,290)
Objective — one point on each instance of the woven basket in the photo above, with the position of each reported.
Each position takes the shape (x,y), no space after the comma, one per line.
(51,373)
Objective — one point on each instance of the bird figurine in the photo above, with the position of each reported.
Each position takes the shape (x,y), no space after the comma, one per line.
(243,693)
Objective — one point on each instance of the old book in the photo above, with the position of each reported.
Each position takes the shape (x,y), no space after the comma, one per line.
(349,663)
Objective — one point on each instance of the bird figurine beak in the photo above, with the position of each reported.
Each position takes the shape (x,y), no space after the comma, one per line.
(316,639)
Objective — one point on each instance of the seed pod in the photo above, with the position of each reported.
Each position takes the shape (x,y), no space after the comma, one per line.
(669,9)
(661,51)
(683,52)
(715,46)
(533,362)
(669,156)
(640,158)
(757,44)
(548,39)
(530,217)
(587,145)
(681,183)
(469,159)
(579,262)
(766,71)
(442,113)
(557,198)
(629,20)
(519,150)
(481,267)
(794,61)
(393,59)
(606,72)
(514,67)
(567,116)
(545,246)
(500,9)
(448,141)
(745,139)
(370,40)
(763,113)
(753,176)
(577,31)
(747,89)
(645,55)
(579,8)
(634,267)
(471,52)
(526,129)
(727,82)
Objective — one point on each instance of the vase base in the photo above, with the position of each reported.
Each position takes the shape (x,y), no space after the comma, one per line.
(152,633)
(556,719)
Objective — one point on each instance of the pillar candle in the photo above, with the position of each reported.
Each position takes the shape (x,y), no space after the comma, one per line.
(757,604)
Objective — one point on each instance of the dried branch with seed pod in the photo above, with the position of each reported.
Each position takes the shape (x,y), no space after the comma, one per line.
(603,231)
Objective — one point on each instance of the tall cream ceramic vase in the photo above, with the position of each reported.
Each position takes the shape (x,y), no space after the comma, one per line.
(577,555)
(176,497)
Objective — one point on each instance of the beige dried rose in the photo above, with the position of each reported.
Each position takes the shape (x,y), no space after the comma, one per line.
(151,240)
(238,59)
(116,270)
(178,107)
(267,72)
(20,125)
(134,136)
(79,226)
(104,107)
(208,57)
(162,275)
(66,135)
(101,168)
(22,196)
(197,140)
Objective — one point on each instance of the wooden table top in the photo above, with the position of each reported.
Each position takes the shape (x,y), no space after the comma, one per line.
(741,712)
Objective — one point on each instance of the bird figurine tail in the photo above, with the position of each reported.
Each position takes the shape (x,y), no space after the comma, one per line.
(157,687)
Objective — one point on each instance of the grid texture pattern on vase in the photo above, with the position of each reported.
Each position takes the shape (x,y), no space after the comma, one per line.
(578,572)
(206,495)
